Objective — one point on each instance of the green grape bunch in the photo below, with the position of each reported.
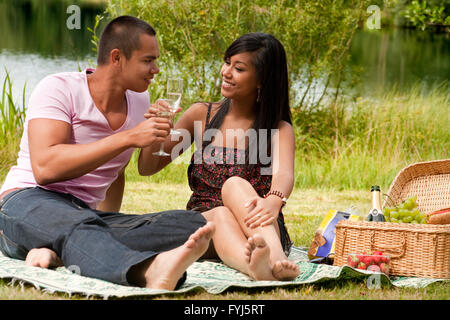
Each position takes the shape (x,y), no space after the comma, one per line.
(405,212)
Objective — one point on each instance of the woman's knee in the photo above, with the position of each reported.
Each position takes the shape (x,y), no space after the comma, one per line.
(231,183)
(219,214)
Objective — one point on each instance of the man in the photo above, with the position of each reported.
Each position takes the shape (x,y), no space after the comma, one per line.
(59,203)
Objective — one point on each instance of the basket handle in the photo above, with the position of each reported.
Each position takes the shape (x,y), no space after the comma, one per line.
(388,201)
(435,240)
(340,249)
(396,251)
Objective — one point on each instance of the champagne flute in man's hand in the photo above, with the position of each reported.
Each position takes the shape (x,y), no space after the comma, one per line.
(174,92)
(168,115)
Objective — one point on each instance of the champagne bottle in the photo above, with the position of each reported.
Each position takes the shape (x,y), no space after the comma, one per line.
(375,213)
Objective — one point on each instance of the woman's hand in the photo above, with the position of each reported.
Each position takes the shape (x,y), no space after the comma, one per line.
(157,107)
(262,211)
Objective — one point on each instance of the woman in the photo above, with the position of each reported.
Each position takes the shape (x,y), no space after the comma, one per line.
(230,183)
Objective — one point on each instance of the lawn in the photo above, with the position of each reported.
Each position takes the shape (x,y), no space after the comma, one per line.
(303,213)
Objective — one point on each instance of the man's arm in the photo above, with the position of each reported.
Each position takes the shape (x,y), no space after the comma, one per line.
(114,195)
(149,164)
(54,159)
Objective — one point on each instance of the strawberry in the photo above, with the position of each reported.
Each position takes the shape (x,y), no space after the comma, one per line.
(376,259)
(384,268)
(378,253)
(353,262)
(362,266)
(374,268)
(367,260)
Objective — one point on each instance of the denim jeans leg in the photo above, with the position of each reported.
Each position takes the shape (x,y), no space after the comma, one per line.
(37,218)
(160,231)
(8,247)
(96,253)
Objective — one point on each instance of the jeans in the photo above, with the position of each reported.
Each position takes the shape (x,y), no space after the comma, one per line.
(103,245)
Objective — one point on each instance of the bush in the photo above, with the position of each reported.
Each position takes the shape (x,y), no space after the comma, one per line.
(12,118)
(194,35)
(423,14)
(370,140)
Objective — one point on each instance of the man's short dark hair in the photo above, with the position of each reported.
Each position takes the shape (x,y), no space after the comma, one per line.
(122,33)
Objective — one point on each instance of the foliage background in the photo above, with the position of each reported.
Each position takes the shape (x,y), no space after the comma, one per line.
(194,35)
(344,141)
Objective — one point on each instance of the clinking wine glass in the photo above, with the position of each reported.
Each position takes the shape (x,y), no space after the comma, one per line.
(163,114)
(174,92)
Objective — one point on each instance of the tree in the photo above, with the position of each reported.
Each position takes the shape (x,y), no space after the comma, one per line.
(194,34)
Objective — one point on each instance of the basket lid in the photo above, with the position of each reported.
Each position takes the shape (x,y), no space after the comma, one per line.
(429,181)
(428,228)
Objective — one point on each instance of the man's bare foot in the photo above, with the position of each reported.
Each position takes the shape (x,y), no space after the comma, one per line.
(258,257)
(166,268)
(285,270)
(43,257)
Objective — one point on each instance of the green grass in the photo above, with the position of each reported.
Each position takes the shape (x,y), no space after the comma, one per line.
(12,117)
(303,214)
(368,141)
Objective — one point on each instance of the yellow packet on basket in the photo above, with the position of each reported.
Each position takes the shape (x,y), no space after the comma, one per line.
(323,242)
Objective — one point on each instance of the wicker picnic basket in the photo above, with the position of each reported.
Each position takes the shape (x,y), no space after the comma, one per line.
(420,250)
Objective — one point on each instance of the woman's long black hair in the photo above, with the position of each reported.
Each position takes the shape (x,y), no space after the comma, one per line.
(269,59)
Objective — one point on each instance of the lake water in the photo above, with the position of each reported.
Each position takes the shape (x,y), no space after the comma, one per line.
(400,58)
(35,41)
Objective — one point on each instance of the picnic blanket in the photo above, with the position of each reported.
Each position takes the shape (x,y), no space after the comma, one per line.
(213,277)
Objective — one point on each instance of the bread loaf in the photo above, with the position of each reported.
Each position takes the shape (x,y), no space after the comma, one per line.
(439,217)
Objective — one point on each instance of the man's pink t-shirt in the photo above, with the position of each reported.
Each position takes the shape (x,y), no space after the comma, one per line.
(66,97)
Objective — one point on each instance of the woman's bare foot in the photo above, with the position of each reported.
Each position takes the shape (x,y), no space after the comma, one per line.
(285,270)
(164,271)
(43,257)
(258,258)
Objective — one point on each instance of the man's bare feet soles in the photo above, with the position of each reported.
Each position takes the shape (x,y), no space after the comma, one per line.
(167,268)
(285,270)
(258,258)
(42,257)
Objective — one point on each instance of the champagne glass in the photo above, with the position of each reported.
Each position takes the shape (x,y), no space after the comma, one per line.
(163,114)
(174,92)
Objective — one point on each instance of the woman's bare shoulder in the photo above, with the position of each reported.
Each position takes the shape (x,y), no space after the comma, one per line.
(199,110)
(285,126)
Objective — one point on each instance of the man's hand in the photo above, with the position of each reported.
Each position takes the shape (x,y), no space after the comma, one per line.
(160,106)
(151,131)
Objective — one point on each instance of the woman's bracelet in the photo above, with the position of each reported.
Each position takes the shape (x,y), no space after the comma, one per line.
(278,194)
